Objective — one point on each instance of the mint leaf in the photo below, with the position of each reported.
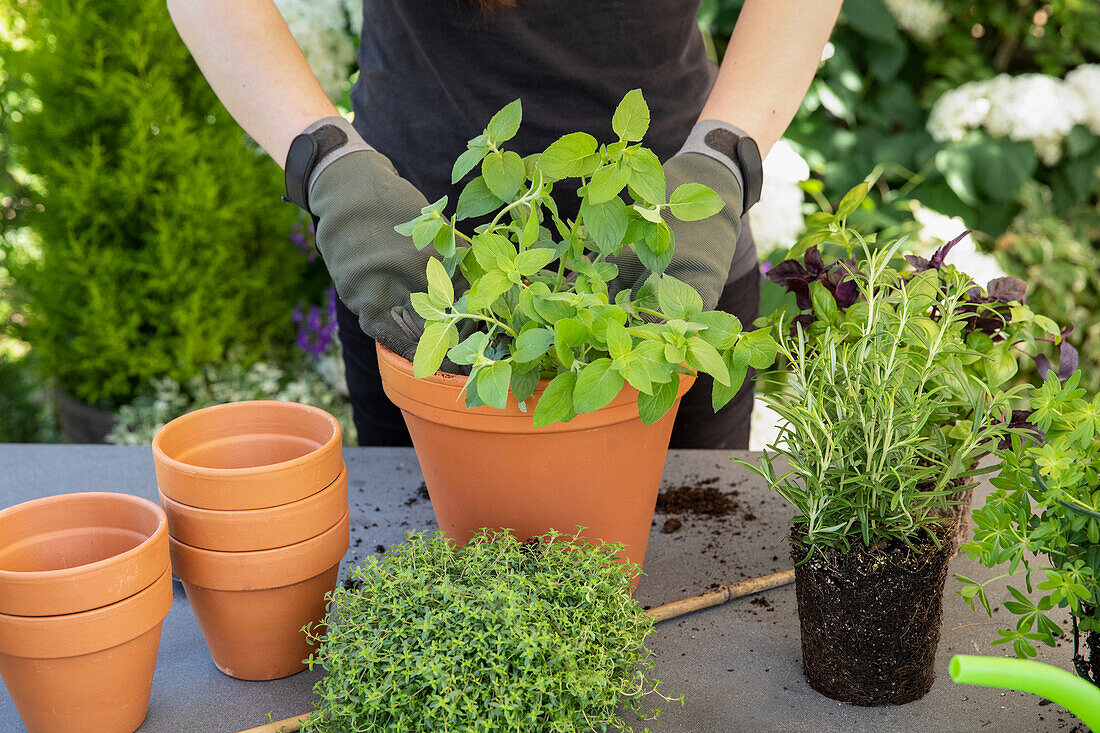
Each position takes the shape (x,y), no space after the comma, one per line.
(631,118)
(694,201)
(438,337)
(647,175)
(531,261)
(556,402)
(606,223)
(618,340)
(703,357)
(607,182)
(597,385)
(476,200)
(492,384)
(505,124)
(568,332)
(722,329)
(493,252)
(468,351)
(440,287)
(678,299)
(467,162)
(523,384)
(532,344)
(737,366)
(572,155)
(652,407)
(503,174)
(759,347)
(487,289)
(426,308)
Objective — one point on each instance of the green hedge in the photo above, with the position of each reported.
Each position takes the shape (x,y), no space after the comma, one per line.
(163,238)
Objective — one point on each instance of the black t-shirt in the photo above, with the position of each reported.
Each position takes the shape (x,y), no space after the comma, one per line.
(432,73)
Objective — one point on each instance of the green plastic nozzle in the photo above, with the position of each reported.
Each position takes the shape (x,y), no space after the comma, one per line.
(1075,694)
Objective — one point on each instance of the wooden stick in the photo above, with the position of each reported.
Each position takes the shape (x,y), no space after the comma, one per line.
(661,613)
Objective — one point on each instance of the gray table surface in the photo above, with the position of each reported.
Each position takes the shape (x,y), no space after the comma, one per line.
(738,666)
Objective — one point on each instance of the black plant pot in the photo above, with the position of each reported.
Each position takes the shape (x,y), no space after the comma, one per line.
(870,618)
(81,423)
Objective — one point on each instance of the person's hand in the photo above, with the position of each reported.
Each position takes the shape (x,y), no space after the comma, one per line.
(724,159)
(356,199)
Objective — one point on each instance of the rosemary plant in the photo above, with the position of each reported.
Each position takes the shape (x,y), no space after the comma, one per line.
(866,402)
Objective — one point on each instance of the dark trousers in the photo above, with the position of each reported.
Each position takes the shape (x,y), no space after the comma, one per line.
(379,422)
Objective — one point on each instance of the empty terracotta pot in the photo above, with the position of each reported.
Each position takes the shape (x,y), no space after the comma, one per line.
(259,529)
(485,467)
(88,671)
(251,606)
(76,552)
(247,455)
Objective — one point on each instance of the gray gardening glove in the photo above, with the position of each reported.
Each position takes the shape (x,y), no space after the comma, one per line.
(356,199)
(726,160)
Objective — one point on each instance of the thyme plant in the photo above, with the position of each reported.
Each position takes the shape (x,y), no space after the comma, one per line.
(543,292)
(495,635)
(869,392)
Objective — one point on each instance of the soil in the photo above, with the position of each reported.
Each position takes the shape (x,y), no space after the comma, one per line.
(701,497)
(1092,661)
(672,525)
(870,618)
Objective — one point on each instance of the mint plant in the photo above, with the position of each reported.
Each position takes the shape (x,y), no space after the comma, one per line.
(543,291)
(496,635)
(1043,519)
(870,392)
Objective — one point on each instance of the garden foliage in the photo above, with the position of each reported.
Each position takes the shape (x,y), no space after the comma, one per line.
(162,235)
(545,293)
(498,634)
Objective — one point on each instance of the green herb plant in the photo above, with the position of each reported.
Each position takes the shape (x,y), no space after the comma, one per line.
(495,635)
(1043,517)
(868,395)
(543,291)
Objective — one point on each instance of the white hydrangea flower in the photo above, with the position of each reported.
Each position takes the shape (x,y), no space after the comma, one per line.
(776,219)
(959,111)
(322,29)
(922,19)
(935,230)
(1085,80)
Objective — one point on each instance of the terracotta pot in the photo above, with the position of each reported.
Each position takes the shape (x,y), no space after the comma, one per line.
(251,606)
(258,529)
(485,467)
(89,671)
(76,552)
(247,455)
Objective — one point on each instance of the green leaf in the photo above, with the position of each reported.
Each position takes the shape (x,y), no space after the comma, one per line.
(556,402)
(505,124)
(440,286)
(530,261)
(607,182)
(572,155)
(503,174)
(597,385)
(737,365)
(957,167)
(493,252)
(437,339)
(759,347)
(871,18)
(487,289)
(467,162)
(1001,167)
(678,299)
(703,357)
(852,200)
(606,223)
(647,175)
(427,308)
(476,200)
(492,384)
(568,333)
(468,351)
(618,340)
(523,384)
(694,201)
(824,303)
(532,344)
(473,399)
(530,233)
(652,407)
(631,118)
(722,329)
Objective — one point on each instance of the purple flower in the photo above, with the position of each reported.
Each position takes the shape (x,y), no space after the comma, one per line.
(317,329)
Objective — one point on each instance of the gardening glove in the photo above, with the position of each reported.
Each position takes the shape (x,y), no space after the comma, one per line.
(356,199)
(727,160)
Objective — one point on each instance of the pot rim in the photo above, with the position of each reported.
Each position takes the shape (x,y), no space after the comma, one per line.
(127,558)
(255,513)
(166,461)
(77,634)
(250,570)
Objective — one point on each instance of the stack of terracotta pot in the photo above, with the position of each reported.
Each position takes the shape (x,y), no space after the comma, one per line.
(84,587)
(256,497)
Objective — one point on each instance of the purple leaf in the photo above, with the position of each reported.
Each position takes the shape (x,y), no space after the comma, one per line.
(785,270)
(941,253)
(801,290)
(1007,289)
(814,264)
(919,264)
(1067,356)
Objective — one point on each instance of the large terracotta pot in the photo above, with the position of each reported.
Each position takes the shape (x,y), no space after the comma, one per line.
(259,529)
(88,671)
(251,606)
(76,552)
(247,455)
(485,467)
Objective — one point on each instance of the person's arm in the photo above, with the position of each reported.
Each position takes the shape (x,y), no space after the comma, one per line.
(769,64)
(254,65)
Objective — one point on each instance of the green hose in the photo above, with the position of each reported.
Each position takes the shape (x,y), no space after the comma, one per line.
(1077,695)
